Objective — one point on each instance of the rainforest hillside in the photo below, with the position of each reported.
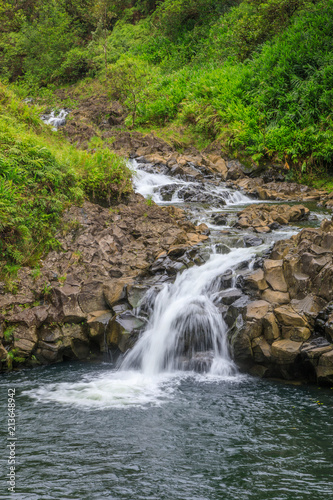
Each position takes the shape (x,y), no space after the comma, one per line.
(255,74)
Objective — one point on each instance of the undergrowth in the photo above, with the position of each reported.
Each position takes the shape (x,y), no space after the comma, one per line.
(41,175)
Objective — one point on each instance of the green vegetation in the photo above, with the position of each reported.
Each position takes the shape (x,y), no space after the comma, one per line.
(41,175)
(256,75)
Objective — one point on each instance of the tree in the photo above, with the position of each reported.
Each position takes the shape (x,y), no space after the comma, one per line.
(129,83)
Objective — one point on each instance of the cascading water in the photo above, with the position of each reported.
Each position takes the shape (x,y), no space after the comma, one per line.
(186,329)
(185,321)
(150,183)
(57,120)
(145,431)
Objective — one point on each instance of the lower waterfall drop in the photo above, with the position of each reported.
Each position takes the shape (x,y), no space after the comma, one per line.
(186,329)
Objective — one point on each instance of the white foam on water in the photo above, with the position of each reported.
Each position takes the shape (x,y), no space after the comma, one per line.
(121,389)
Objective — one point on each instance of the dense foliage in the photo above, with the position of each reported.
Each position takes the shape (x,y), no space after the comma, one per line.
(41,175)
(255,74)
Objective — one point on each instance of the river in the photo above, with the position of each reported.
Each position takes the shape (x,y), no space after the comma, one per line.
(148,429)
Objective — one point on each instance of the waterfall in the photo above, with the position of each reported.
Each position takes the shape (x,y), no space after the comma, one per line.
(185,322)
(55,119)
(186,329)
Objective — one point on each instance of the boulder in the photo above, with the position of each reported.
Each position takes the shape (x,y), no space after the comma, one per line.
(276,298)
(123,330)
(25,339)
(113,292)
(227,297)
(257,310)
(285,351)
(261,350)
(288,317)
(274,275)
(270,328)
(324,370)
(256,281)
(252,241)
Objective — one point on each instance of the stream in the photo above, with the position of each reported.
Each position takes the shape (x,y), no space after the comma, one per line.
(152,427)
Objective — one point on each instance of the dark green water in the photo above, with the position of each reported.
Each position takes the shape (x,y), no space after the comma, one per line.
(94,434)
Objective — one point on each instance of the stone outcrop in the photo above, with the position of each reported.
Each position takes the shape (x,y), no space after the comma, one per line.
(263,218)
(285,328)
(78,303)
(277,191)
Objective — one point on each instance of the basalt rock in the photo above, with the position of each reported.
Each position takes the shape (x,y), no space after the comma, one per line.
(281,191)
(287,328)
(59,311)
(264,218)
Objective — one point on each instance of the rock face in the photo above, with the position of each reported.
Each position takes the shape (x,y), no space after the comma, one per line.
(78,303)
(274,190)
(285,328)
(263,218)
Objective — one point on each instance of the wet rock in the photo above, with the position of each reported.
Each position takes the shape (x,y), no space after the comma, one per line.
(222,249)
(123,330)
(135,294)
(222,281)
(252,241)
(227,297)
(167,192)
(237,310)
(220,219)
(240,344)
(263,218)
(186,173)
(69,341)
(261,350)
(198,194)
(324,370)
(146,304)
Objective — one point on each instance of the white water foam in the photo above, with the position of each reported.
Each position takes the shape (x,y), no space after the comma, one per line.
(120,389)
(55,119)
(148,184)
